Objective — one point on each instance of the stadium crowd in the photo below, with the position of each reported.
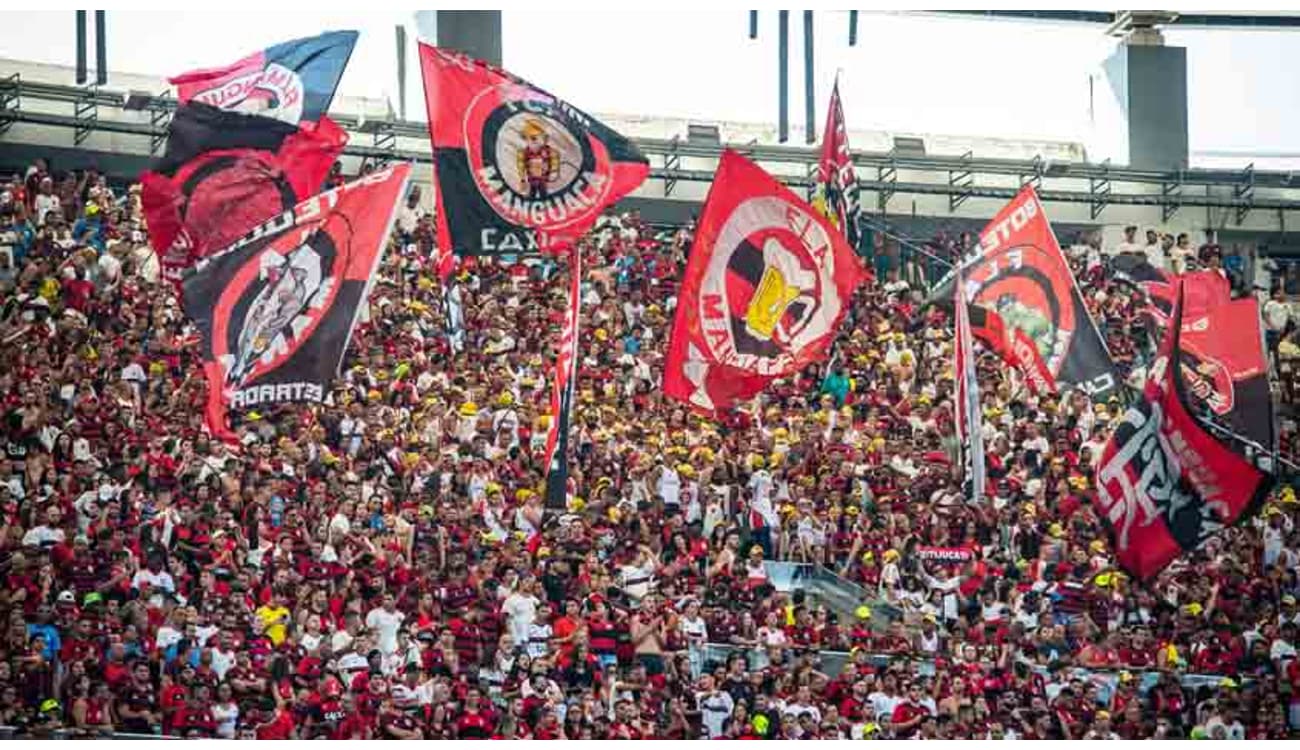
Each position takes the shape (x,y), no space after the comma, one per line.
(384,566)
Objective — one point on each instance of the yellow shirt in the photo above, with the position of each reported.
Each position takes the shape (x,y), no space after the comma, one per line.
(272,624)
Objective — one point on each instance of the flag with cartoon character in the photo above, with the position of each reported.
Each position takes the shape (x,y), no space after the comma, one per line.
(518,170)
(275,310)
(1018,271)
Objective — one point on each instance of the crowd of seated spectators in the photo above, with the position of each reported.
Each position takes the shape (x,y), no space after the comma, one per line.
(383,565)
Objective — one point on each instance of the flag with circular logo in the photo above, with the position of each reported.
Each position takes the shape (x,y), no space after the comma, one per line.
(1019,271)
(275,310)
(768,281)
(518,170)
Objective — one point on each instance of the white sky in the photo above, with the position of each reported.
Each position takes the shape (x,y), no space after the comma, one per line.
(908,73)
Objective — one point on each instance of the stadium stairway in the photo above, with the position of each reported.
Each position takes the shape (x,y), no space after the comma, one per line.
(822,586)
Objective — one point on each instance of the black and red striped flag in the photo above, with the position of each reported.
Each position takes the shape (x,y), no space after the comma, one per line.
(1165,484)
(835,187)
(566,365)
(970,432)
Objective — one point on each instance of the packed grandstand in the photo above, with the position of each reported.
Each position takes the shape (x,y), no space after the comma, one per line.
(384,564)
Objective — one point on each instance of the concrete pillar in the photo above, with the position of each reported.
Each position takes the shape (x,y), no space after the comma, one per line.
(477,33)
(1149,84)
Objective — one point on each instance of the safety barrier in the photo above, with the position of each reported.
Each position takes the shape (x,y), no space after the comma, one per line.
(832,663)
(11,733)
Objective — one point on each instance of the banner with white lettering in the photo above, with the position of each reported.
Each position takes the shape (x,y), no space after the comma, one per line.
(517,170)
(1165,485)
(945,555)
(275,310)
(766,285)
(1018,271)
(292,81)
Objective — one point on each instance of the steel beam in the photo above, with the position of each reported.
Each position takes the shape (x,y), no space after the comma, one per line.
(86,113)
(86,104)
(887,175)
(801,154)
(1099,193)
(1172,193)
(1244,191)
(809,88)
(672,160)
(961,180)
(1034,176)
(783,76)
(10,101)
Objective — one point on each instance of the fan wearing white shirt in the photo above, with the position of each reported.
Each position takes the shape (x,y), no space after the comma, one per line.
(385,620)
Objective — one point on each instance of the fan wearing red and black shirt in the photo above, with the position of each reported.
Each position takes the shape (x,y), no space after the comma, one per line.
(353,726)
(397,724)
(194,718)
(476,720)
(80,644)
(459,594)
(909,713)
(856,706)
(279,725)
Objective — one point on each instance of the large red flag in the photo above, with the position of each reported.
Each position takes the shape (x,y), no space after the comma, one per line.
(224,173)
(275,310)
(1224,363)
(1225,366)
(765,289)
(1164,484)
(517,170)
(1018,271)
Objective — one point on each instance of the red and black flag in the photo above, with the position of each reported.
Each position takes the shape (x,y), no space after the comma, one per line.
(1018,271)
(566,366)
(1224,363)
(275,310)
(835,187)
(1202,289)
(1164,484)
(1225,367)
(766,286)
(292,81)
(518,171)
(1011,345)
(970,431)
(224,173)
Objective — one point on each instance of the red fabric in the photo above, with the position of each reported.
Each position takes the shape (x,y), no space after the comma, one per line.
(759,247)
(225,176)
(1162,472)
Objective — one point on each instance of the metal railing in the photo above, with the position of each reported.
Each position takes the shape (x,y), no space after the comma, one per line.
(14,90)
(13,733)
(831,663)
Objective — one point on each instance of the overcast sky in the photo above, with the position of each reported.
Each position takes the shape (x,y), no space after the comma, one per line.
(908,73)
